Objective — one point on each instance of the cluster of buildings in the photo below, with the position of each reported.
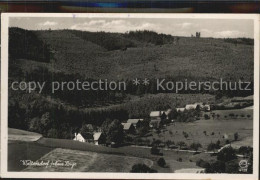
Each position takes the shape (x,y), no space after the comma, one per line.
(130,126)
(195,106)
(97,138)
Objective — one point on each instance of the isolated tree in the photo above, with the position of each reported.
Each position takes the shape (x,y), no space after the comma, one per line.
(236,136)
(206,116)
(161,162)
(212,147)
(181,144)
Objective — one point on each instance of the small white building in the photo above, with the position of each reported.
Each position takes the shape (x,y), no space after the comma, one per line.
(79,137)
(180,109)
(192,106)
(135,122)
(99,138)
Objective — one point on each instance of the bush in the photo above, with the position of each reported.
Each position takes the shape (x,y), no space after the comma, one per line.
(216,167)
(142,168)
(155,150)
(161,162)
(227,154)
(206,116)
(202,163)
(179,159)
(232,167)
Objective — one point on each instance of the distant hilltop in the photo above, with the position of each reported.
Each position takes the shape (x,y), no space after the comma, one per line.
(133,54)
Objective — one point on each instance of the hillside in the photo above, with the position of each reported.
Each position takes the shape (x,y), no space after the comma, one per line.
(124,56)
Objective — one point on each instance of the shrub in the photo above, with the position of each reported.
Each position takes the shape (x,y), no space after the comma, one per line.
(202,163)
(226,154)
(179,159)
(236,136)
(206,116)
(227,141)
(155,150)
(216,167)
(232,167)
(142,168)
(161,162)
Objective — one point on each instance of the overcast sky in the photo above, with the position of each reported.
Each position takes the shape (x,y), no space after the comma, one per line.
(220,28)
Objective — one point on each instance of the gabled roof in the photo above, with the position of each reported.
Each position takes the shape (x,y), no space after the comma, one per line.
(155,113)
(85,135)
(180,109)
(97,135)
(191,106)
(126,126)
(134,121)
(168,112)
(155,120)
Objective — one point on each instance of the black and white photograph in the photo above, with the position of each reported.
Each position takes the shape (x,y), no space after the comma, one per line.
(130,95)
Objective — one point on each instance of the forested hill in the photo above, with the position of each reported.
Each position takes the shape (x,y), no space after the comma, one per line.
(134,54)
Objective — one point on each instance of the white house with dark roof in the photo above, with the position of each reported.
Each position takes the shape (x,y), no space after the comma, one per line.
(191,106)
(135,122)
(128,127)
(79,137)
(99,138)
(180,109)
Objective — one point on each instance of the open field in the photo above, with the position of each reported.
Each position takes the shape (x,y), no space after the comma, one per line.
(215,130)
(89,157)
(18,151)
(21,135)
(88,162)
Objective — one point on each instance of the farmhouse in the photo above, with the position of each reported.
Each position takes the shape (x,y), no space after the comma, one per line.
(83,137)
(167,113)
(160,114)
(180,109)
(128,127)
(99,138)
(192,106)
(156,117)
(135,122)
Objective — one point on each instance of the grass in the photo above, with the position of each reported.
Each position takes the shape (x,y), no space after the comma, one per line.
(195,131)
(18,151)
(236,113)
(21,135)
(89,162)
(126,151)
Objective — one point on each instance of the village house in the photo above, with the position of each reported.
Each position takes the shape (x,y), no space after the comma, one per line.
(180,109)
(135,122)
(79,137)
(156,118)
(83,137)
(99,138)
(192,106)
(128,128)
(96,138)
